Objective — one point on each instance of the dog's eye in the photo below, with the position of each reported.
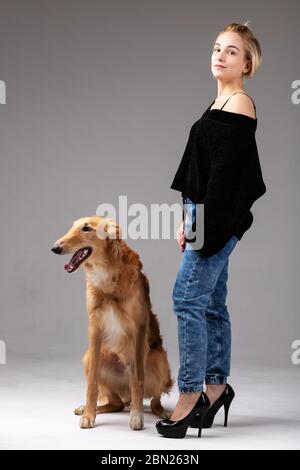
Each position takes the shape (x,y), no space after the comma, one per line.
(86,228)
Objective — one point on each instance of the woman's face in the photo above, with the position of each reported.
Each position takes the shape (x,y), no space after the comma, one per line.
(229,52)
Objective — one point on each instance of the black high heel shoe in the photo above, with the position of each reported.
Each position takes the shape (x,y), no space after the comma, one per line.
(169,428)
(224,400)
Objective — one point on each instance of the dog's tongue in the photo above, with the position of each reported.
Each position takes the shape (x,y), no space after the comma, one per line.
(74,261)
(68,267)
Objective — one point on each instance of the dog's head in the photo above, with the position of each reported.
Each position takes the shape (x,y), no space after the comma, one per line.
(88,239)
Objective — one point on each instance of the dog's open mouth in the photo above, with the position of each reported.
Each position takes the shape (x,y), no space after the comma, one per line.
(77,259)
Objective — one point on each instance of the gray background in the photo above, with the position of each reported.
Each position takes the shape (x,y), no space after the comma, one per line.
(100,100)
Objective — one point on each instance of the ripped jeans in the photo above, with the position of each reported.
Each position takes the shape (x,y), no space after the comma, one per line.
(204,328)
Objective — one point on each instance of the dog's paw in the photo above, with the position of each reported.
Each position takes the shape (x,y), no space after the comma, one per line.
(80,410)
(136,420)
(86,422)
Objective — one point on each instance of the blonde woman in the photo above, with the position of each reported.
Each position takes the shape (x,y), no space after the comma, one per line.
(220,169)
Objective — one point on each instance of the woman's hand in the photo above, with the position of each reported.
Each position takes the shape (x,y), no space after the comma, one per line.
(181,237)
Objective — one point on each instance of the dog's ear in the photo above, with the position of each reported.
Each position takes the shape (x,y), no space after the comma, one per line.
(108,228)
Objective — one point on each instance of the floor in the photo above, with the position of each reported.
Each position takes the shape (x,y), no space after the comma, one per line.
(37,401)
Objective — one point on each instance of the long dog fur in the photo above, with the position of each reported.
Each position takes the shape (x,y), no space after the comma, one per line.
(125,361)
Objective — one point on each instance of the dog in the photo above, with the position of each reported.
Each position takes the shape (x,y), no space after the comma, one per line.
(125,360)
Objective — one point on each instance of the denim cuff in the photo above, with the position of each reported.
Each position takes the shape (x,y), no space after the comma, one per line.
(215,380)
(191,389)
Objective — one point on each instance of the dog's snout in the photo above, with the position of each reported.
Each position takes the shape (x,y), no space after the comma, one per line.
(56,249)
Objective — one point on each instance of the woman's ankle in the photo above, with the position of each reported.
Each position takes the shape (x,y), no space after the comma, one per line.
(191,395)
(214,391)
(215,387)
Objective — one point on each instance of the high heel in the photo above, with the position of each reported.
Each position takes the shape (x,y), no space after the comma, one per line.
(169,428)
(224,400)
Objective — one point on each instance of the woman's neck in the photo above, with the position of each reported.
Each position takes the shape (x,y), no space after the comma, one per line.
(225,90)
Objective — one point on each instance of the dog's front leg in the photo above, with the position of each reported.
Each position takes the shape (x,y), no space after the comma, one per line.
(137,383)
(88,418)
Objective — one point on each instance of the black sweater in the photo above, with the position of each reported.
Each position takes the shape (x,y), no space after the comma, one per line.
(220,168)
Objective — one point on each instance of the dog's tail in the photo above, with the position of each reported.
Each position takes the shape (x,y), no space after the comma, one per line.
(155,339)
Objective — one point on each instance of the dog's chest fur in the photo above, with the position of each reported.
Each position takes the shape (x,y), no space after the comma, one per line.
(113,332)
(117,316)
(97,276)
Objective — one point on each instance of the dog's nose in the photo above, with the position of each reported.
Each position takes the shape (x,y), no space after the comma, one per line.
(56,249)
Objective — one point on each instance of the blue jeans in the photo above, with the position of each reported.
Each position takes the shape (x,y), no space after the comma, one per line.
(204,328)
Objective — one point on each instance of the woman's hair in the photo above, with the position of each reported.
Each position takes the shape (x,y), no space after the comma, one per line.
(251,44)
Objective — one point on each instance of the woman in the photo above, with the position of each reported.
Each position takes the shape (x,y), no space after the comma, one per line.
(220,169)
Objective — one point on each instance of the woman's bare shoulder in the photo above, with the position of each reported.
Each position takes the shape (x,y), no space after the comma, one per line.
(242,104)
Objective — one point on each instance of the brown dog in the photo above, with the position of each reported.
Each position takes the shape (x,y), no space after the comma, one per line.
(125,361)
